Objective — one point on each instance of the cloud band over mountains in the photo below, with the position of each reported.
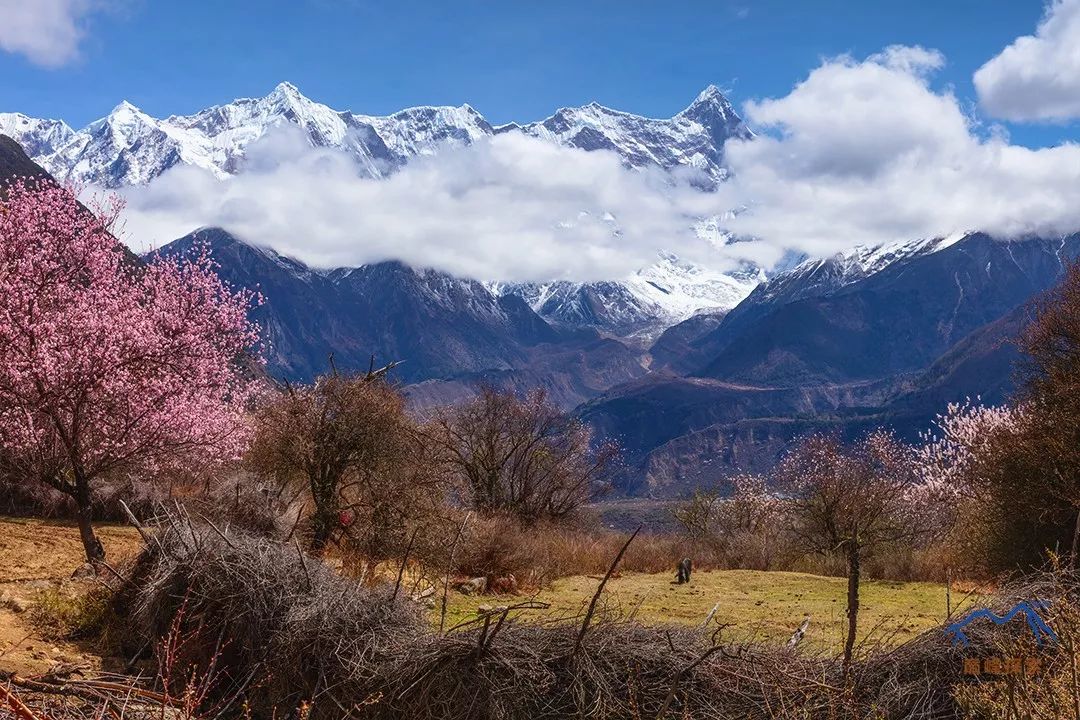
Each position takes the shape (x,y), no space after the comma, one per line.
(861,151)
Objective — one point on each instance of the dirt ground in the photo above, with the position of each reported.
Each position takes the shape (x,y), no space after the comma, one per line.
(37,557)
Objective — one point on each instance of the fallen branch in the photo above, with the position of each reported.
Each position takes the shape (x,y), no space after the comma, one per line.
(17,705)
(449,568)
(404,560)
(599,591)
(679,676)
(135,522)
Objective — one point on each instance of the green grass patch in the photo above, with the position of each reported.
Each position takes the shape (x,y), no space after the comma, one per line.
(763,606)
(67,615)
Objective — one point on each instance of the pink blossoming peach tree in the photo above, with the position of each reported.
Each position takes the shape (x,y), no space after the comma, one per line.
(109,365)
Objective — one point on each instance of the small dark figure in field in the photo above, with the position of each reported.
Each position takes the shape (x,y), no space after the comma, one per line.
(682,573)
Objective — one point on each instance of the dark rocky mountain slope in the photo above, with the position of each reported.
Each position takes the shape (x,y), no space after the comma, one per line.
(449,334)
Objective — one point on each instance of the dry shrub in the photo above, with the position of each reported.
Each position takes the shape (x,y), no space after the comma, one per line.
(242,501)
(285,628)
(499,545)
(217,491)
(622,670)
(521,456)
(346,443)
(20,498)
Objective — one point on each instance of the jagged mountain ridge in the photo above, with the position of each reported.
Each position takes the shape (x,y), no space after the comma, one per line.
(898,318)
(692,138)
(130,147)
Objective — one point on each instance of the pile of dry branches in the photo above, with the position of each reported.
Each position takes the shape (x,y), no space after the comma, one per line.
(279,629)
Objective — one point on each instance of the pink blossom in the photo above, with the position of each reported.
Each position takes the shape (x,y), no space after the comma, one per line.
(107,364)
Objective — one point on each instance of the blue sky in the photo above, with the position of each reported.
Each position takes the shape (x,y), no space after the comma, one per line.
(512,61)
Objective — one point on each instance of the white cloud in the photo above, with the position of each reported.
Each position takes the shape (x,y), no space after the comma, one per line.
(860,152)
(509,207)
(47,32)
(911,59)
(869,152)
(1037,77)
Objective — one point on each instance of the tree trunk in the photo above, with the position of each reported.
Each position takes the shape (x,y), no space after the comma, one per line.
(325,517)
(95,553)
(852,603)
(1075,541)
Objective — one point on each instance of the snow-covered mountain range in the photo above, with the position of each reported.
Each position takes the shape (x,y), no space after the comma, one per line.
(130,147)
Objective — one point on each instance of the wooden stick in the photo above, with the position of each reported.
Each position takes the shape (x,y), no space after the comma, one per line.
(449,567)
(17,706)
(135,522)
(798,635)
(222,535)
(299,516)
(599,590)
(404,560)
(303,564)
(709,617)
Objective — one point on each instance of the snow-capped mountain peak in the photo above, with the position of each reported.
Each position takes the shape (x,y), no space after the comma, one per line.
(125,121)
(38,137)
(826,275)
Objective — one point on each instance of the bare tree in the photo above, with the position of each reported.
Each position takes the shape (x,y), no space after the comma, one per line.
(332,436)
(852,499)
(521,455)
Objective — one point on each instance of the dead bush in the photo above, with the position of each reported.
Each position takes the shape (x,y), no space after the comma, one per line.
(284,628)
